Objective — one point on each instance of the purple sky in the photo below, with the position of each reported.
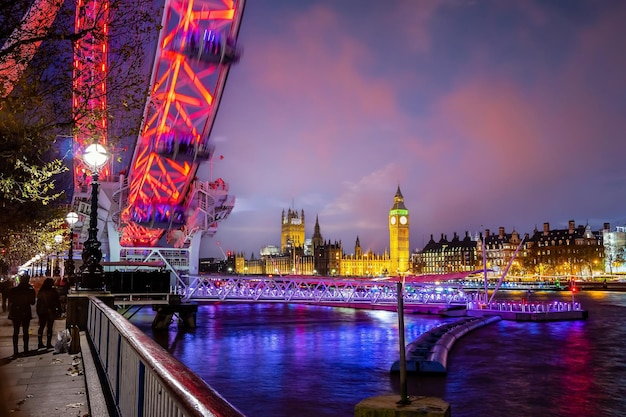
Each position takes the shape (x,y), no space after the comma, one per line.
(486,113)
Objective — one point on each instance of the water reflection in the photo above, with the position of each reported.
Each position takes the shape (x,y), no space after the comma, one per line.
(284,360)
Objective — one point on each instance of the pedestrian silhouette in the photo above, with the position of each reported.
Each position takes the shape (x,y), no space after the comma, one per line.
(48,308)
(21,298)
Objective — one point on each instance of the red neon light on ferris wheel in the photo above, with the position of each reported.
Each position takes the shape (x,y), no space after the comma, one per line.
(26,39)
(195,49)
(194,53)
(90,70)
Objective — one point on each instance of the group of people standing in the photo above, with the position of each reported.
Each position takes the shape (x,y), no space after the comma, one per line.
(48,307)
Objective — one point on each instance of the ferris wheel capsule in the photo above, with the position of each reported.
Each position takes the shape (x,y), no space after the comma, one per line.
(159,216)
(210,47)
(182,146)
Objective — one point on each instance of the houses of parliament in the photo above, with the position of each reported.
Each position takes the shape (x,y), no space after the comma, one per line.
(575,250)
(316,256)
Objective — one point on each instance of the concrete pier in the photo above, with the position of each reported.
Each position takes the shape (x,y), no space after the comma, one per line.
(164,313)
(429,352)
(387,406)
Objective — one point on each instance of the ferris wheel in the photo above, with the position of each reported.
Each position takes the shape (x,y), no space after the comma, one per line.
(160,204)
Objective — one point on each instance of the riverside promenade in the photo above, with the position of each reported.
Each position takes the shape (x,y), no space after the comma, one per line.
(46,384)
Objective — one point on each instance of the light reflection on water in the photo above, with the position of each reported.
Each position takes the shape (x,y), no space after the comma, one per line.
(285,360)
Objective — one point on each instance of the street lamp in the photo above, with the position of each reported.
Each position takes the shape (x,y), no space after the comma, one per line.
(35,262)
(48,269)
(57,266)
(71,219)
(91,272)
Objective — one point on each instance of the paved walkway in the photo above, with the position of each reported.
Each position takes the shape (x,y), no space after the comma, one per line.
(41,383)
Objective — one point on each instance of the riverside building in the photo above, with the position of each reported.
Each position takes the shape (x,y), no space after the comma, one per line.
(614,249)
(316,256)
(546,254)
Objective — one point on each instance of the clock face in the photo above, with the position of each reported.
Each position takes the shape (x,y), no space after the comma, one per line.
(393,220)
(403,219)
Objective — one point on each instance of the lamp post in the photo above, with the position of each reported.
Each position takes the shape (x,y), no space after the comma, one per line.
(35,262)
(91,272)
(404,399)
(48,269)
(71,219)
(56,270)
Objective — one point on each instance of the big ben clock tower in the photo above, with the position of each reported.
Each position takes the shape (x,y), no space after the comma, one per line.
(399,235)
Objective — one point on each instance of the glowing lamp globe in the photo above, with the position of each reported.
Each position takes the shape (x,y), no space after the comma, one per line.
(95,156)
(71,218)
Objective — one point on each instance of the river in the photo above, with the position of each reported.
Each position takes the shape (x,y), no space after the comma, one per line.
(275,360)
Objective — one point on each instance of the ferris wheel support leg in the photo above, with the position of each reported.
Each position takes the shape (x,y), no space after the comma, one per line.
(114,242)
(194,253)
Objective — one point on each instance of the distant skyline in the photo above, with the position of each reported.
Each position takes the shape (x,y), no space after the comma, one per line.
(486,113)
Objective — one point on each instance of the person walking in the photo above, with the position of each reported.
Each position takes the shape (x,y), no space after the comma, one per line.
(48,308)
(21,298)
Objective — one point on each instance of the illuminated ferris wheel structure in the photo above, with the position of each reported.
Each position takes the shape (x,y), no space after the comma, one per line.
(160,210)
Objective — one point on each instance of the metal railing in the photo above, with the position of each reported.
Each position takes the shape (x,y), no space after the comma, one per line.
(151,298)
(526,307)
(318,290)
(143,378)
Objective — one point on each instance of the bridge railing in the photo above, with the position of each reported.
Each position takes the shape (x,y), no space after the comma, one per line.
(526,307)
(309,289)
(143,378)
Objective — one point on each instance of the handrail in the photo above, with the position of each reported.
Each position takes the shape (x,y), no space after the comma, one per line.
(310,289)
(143,378)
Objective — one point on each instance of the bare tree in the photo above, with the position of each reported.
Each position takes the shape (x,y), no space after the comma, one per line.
(38,45)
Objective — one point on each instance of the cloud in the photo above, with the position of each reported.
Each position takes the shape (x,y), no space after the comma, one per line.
(483,124)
